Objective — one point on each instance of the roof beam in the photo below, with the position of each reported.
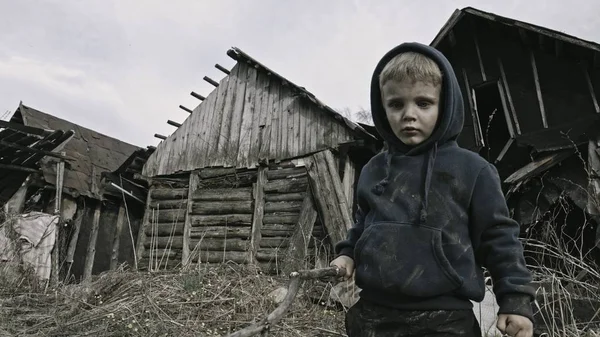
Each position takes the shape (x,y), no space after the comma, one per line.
(558,48)
(34,150)
(185,109)
(223,69)
(211,81)
(198,96)
(18,168)
(159,136)
(175,124)
(591,88)
(25,129)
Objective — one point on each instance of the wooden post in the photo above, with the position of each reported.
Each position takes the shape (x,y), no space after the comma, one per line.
(259,208)
(348,182)
(79,214)
(145,221)
(91,249)
(187,227)
(114,260)
(509,96)
(538,89)
(479,140)
(60,168)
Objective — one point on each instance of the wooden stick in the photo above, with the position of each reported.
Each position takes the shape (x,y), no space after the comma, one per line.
(185,109)
(198,96)
(538,89)
(175,124)
(211,81)
(509,96)
(159,136)
(223,69)
(91,249)
(296,280)
(60,169)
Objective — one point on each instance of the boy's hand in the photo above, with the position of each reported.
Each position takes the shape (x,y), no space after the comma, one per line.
(345,262)
(515,325)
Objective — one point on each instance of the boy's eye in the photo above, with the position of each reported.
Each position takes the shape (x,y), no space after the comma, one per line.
(423,104)
(395,105)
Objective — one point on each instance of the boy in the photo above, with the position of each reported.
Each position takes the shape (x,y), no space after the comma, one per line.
(430,214)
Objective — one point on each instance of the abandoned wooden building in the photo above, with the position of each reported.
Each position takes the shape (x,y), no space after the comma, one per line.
(532,94)
(260,172)
(98,217)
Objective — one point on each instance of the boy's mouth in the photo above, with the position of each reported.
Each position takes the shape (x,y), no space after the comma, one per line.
(410,129)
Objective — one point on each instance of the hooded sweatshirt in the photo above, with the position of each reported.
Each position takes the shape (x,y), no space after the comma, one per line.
(430,216)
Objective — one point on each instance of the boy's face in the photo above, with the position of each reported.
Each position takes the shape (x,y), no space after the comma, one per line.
(412,109)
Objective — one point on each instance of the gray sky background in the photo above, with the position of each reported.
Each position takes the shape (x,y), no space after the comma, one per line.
(122,67)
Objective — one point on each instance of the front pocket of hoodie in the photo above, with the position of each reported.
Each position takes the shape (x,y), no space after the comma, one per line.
(405,259)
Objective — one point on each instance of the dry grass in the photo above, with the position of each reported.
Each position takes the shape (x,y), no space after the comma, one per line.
(209,301)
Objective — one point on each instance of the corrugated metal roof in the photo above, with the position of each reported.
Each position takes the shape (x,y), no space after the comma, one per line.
(93,153)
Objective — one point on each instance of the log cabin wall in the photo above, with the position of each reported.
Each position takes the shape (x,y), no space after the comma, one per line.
(267,216)
(544,85)
(251,117)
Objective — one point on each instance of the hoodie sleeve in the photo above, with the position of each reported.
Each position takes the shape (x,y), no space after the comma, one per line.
(346,247)
(497,246)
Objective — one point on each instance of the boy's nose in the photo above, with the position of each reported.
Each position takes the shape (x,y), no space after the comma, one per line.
(409,113)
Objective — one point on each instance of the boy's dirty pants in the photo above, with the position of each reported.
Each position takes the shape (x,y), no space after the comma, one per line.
(366,319)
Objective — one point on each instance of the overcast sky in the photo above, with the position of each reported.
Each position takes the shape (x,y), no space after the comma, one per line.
(122,67)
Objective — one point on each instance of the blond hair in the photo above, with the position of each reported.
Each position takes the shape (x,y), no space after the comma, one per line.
(412,66)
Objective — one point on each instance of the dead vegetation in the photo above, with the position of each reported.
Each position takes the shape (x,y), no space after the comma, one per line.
(212,300)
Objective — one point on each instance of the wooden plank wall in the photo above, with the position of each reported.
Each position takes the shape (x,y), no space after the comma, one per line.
(160,241)
(249,118)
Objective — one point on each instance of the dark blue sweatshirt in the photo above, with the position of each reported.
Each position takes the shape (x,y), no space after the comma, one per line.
(431,215)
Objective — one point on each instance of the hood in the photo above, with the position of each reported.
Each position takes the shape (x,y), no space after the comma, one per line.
(451,118)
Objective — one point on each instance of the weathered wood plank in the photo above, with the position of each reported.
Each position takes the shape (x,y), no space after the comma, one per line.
(169,204)
(221,207)
(286,186)
(324,197)
(237,115)
(220,232)
(274,117)
(348,181)
(289,218)
(275,242)
(164,242)
(284,197)
(292,114)
(169,194)
(234,244)
(91,248)
(314,127)
(248,119)
(223,194)
(338,189)
(220,257)
(213,157)
(228,109)
(286,108)
(164,229)
(167,215)
(259,120)
(259,205)
(297,127)
(298,245)
(294,172)
(114,257)
(160,254)
(222,220)
(283,206)
(302,131)
(538,89)
(203,143)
